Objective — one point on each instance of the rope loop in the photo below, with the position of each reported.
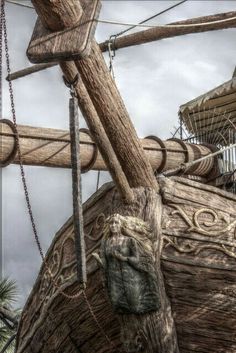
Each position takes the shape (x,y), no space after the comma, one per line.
(163,150)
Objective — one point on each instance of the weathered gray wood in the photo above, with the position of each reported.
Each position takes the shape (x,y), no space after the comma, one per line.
(200,282)
(51,147)
(72,39)
(77,192)
(156,330)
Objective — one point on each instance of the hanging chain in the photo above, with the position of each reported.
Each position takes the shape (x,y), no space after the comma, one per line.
(22,171)
(3,28)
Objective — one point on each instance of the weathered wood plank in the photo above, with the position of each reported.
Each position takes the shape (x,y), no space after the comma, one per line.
(71,39)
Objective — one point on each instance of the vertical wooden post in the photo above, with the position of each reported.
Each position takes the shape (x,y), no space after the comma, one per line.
(77,195)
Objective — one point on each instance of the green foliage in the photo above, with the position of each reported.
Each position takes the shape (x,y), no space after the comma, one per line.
(8,296)
(8,292)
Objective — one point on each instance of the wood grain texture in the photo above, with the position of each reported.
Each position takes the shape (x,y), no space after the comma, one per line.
(200,282)
(57,14)
(158,33)
(50,147)
(115,119)
(71,40)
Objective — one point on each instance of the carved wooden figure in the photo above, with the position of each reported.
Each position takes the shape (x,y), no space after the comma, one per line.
(127,256)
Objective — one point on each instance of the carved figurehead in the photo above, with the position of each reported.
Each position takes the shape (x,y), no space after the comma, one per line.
(128,260)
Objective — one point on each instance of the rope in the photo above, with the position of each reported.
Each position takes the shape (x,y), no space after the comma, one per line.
(141,24)
(165,26)
(150,18)
(20,4)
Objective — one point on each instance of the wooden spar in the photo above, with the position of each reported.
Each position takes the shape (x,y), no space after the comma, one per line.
(158,33)
(51,148)
(150,35)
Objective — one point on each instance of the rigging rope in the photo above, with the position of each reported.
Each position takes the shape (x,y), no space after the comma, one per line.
(14,2)
(149,18)
(141,24)
(166,26)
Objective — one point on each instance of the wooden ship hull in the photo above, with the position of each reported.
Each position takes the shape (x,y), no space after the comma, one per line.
(197,260)
(185,264)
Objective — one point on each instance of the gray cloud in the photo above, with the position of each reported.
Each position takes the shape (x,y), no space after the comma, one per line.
(154,80)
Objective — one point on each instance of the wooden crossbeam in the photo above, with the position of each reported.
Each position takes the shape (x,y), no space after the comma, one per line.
(150,35)
(51,148)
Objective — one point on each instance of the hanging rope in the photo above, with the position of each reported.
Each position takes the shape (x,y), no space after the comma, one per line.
(149,18)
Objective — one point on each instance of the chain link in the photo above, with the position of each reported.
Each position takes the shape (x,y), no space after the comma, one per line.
(3,28)
(22,171)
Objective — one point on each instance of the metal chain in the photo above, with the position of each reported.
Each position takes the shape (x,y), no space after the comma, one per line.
(3,27)
(22,171)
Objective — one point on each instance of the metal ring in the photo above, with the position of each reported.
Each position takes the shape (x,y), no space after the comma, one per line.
(197,155)
(183,145)
(72,83)
(163,150)
(215,169)
(91,163)
(13,153)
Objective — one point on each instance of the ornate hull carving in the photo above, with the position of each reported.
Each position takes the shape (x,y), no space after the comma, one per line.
(198,262)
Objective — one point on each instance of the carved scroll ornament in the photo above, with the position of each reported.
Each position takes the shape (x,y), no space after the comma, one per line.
(217,226)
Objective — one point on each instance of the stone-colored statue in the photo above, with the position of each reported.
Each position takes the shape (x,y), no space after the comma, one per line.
(128,261)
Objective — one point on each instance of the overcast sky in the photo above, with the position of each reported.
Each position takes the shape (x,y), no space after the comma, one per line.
(154,80)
